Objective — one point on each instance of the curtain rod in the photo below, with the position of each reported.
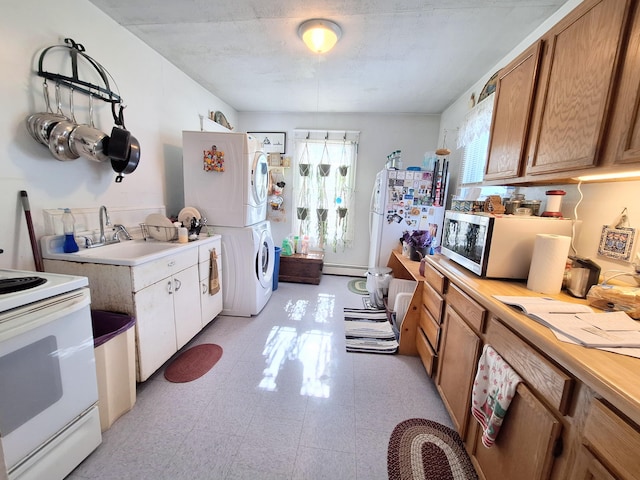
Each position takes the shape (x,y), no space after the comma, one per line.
(303,133)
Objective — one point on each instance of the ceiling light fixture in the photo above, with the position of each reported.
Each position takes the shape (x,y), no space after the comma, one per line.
(319,35)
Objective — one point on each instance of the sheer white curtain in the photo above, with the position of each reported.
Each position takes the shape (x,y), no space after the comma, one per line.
(324,172)
(474,137)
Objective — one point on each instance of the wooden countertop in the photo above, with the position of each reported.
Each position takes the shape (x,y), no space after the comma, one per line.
(615,377)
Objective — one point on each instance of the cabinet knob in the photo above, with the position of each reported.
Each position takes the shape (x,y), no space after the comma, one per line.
(178,284)
(170,287)
(171,263)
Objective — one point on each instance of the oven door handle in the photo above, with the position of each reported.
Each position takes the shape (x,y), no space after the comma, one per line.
(30,316)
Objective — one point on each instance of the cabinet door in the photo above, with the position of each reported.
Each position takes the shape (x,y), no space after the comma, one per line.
(155,327)
(512,114)
(524,446)
(576,81)
(625,126)
(210,305)
(589,467)
(186,304)
(459,353)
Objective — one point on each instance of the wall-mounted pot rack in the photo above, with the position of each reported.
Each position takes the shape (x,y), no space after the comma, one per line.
(77,51)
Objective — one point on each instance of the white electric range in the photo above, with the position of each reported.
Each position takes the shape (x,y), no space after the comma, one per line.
(51,284)
(49,420)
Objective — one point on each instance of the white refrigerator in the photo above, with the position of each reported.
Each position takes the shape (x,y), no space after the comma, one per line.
(404,200)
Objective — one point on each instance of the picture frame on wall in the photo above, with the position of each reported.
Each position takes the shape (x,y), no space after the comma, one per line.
(617,242)
(272,142)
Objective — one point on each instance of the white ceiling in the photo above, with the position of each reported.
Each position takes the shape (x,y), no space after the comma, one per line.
(395,56)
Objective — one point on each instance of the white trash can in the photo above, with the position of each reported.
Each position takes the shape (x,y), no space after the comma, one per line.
(114,348)
(378,280)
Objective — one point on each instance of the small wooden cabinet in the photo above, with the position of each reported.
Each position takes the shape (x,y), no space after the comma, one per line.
(576,80)
(457,369)
(575,109)
(460,347)
(299,268)
(512,114)
(610,446)
(624,137)
(525,445)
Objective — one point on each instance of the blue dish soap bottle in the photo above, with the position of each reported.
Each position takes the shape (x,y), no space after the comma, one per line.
(68,224)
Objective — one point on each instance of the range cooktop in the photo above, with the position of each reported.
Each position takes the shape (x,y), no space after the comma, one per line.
(19,287)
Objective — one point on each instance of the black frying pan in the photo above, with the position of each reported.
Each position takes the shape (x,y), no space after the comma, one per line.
(120,140)
(123,167)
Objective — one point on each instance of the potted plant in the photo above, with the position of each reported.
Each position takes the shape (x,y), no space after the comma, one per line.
(419,242)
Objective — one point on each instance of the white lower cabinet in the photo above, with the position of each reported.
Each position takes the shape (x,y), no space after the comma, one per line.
(155,328)
(169,298)
(210,305)
(186,305)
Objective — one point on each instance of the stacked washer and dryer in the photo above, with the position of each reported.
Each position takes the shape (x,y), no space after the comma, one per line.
(226,177)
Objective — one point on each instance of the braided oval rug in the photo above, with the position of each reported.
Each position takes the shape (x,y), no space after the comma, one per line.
(421,449)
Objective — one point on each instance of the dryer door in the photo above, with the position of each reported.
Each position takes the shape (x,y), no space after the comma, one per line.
(259,179)
(265,259)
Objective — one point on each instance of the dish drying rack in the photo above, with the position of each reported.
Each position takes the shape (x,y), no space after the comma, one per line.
(157,232)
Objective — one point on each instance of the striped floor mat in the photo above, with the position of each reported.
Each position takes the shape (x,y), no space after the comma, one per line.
(368,331)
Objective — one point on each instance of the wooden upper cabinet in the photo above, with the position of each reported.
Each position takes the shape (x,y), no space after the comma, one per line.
(625,122)
(512,114)
(579,60)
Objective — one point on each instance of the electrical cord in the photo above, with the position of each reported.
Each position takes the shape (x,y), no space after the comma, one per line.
(620,273)
(575,219)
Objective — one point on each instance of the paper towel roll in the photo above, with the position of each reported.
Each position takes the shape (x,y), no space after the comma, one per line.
(548,263)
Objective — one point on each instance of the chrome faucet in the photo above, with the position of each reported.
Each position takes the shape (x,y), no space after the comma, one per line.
(104,220)
(120,229)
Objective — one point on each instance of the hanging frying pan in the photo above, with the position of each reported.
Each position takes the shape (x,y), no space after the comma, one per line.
(120,140)
(122,167)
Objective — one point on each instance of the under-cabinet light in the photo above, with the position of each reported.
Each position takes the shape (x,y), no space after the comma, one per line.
(609,176)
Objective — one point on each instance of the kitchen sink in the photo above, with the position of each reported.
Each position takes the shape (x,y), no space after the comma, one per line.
(128,252)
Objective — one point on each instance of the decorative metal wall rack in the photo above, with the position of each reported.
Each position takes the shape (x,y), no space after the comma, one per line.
(76,52)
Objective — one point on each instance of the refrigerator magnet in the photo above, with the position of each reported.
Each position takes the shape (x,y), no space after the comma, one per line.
(213,160)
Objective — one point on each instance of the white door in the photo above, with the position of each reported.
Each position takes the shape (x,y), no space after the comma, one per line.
(186,305)
(155,327)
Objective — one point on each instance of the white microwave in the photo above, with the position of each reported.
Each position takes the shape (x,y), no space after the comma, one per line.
(496,246)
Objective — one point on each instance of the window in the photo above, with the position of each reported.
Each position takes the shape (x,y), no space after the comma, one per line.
(323,184)
(474,138)
(474,159)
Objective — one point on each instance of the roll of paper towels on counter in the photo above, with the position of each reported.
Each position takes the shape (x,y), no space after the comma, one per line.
(548,263)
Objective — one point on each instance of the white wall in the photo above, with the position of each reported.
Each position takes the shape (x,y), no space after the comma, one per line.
(161,102)
(380,134)
(602,202)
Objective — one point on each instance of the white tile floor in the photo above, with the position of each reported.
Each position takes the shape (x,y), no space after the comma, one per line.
(285,401)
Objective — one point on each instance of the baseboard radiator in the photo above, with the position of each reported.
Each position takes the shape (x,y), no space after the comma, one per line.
(348,270)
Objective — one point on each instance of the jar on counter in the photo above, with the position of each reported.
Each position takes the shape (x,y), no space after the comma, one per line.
(534,205)
(511,205)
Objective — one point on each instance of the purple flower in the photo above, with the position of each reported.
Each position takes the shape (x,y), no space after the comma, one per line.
(417,238)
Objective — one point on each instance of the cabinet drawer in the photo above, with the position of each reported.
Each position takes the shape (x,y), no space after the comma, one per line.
(540,374)
(432,301)
(204,248)
(468,309)
(430,328)
(151,272)
(613,440)
(434,278)
(427,355)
